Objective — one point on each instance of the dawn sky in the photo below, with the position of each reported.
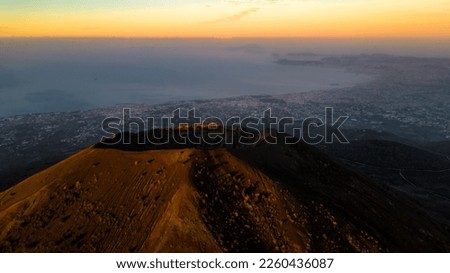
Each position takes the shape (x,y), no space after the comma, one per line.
(225,18)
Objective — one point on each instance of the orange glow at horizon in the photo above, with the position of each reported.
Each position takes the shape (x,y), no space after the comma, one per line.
(320,18)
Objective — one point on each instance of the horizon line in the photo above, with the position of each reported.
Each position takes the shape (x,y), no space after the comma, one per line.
(226,38)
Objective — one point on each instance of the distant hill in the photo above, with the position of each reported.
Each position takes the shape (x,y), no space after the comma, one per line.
(441,147)
(389,154)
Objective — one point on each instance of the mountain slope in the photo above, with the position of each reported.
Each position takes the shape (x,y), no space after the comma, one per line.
(421,174)
(267,198)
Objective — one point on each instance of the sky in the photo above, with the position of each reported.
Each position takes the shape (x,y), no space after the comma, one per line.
(225,18)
